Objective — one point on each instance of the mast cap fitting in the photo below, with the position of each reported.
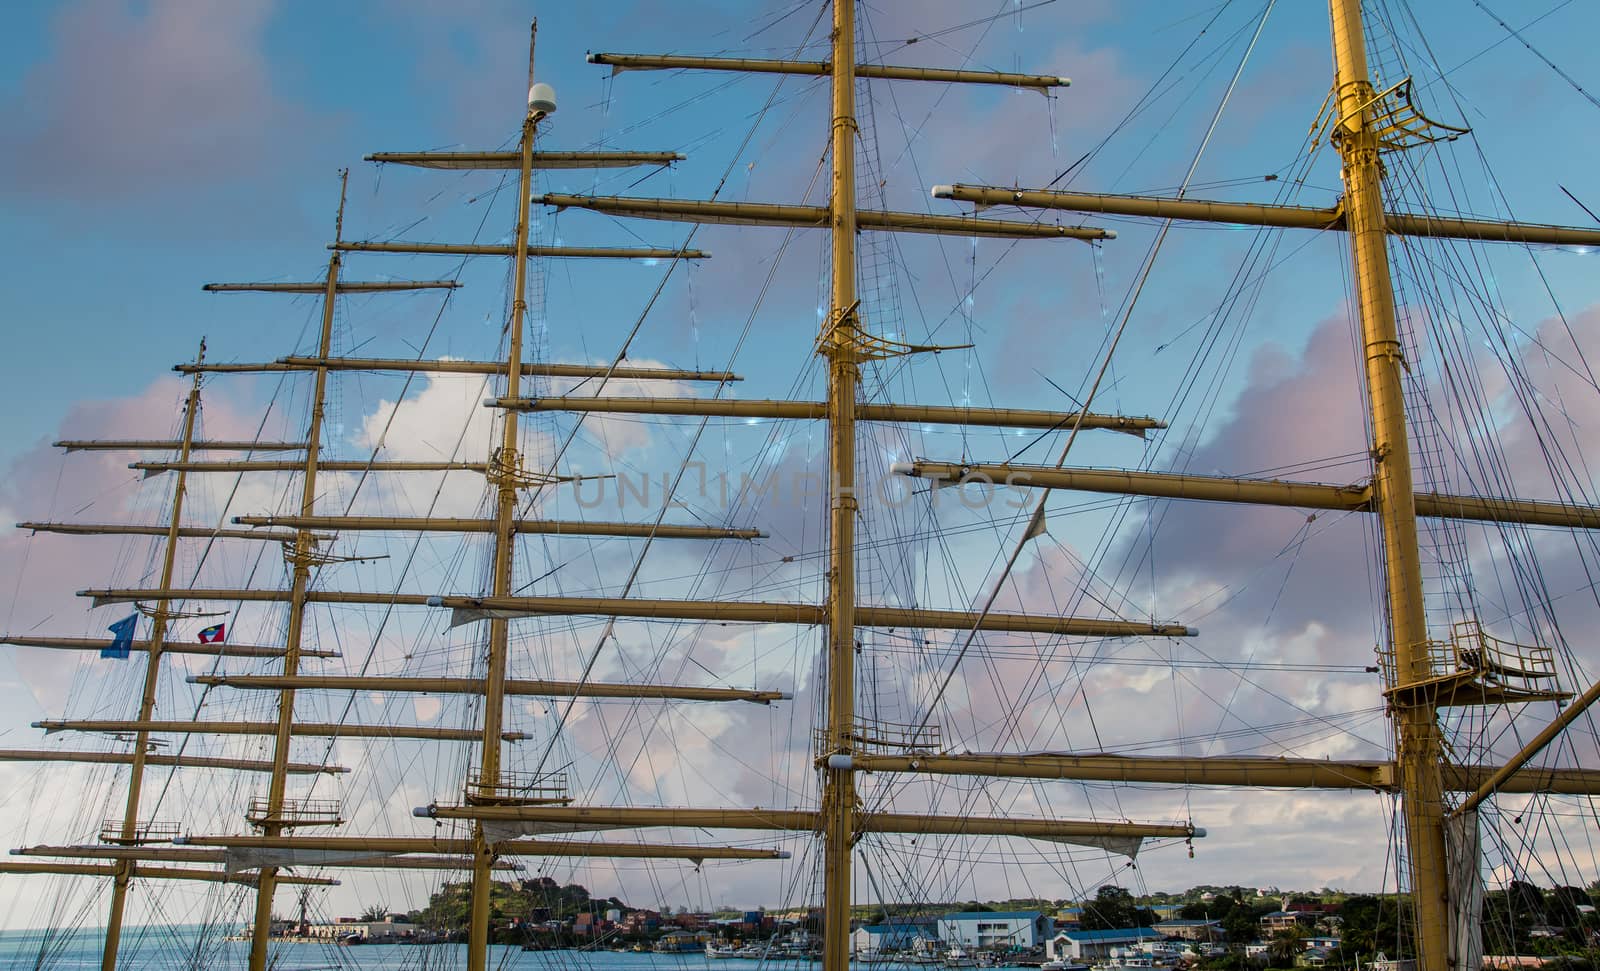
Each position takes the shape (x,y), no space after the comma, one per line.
(436,601)
(1199,831)
(943,191)
(542,98)
(902,468)
(1191,632)
(423,812)
(842,763)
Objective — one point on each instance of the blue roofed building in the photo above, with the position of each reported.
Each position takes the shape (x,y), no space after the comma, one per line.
(1004,930)
(1096,945)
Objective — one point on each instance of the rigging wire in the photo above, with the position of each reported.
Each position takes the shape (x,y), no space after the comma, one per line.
(1036,518)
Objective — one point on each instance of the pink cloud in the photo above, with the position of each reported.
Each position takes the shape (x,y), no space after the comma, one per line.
(45,570)
(140,98)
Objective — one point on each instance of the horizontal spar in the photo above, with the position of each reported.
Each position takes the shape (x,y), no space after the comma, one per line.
(810,615)
(153,873)
(529,368)
(159,445)
(1568,782)
(865,411)
(343,286)
(179,854)
(1266,492)
(496,249)
(155,468)
(887,72)
(1262,772)
(170,647)
(756,612)
(301,729)
(512,847)
(1257,214)
(511,160)
(98,851)
(1219,771)
(806,820)
(475,686)
(185,532)
(173,761)
(816,217)
(523,526)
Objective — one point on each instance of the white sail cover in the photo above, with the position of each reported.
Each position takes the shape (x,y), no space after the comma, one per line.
(460,616)
(497,831)
(1128,846)
(1036,525)
(1462,849)
(238,858)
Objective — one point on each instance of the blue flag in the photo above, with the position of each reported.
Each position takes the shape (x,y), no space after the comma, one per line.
(124,630)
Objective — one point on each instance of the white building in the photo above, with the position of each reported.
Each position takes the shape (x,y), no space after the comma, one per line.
(371,932)
(1002,929)
(892,936)
(1088,946)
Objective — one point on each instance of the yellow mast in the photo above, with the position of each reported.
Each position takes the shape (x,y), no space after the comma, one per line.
(1418,745)
(304,551)
(504,468)
(839,343)
(147,703)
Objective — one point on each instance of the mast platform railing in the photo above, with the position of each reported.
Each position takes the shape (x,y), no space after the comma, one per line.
(1474,666)
(295,812)
(517,789)
(874,736)
(144,832)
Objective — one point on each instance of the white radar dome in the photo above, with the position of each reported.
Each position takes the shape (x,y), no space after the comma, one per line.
(542,97)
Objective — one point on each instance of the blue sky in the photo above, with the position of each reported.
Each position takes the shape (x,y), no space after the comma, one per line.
(153,147)
(113,222)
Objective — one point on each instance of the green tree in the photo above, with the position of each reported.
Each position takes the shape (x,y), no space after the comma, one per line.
(1372,924)
(1562,907)
(1114,908)
(1284,946)
(1217,908)
(1527,901)
(375,912)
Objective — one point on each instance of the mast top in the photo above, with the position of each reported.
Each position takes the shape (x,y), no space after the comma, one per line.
(338,219)
(541,96)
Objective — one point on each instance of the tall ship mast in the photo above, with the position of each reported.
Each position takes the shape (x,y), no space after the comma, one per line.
(624,638)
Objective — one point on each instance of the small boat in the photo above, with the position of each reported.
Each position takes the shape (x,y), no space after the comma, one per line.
(1063,965)
(722,951)
(958,958)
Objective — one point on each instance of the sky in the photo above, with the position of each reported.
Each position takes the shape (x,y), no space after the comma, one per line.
(153,147)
